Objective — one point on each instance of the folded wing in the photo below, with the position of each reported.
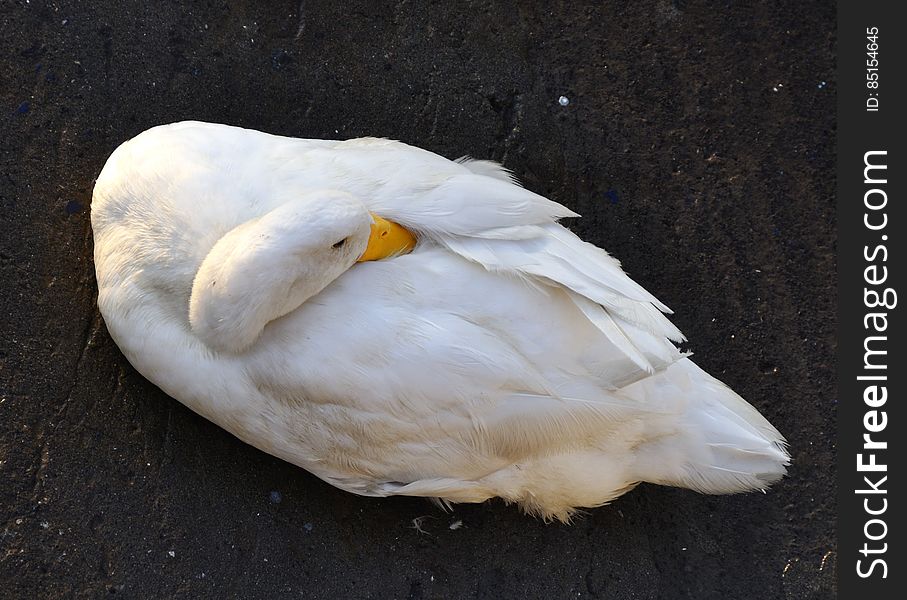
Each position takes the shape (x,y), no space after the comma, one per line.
(477,210)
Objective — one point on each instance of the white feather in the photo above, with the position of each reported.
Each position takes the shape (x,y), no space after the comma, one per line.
(503,357)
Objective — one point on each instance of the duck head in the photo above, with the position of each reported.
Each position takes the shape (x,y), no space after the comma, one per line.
(268,266)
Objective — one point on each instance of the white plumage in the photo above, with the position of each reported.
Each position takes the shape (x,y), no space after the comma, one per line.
(502,357)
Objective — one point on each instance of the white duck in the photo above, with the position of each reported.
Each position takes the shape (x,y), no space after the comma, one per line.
(502,356)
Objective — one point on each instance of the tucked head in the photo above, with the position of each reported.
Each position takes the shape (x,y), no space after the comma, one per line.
(270,265)
(327,226)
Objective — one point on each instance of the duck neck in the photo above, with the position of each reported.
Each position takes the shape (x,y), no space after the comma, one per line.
(249,278)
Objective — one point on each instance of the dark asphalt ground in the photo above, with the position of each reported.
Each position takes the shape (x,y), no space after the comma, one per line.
(698,143)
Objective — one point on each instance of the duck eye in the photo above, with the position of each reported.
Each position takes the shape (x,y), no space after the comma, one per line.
(340,243)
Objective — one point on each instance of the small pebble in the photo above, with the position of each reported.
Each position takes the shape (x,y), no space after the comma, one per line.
(72,207)
(171,553)
(563,100)
(276,497)
(280,59)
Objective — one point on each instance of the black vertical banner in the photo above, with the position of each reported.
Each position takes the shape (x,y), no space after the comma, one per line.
(872,167)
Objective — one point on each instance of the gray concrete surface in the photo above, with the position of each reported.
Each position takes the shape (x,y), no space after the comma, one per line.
(699,144)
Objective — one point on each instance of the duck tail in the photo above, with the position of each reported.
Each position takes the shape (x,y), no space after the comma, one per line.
(720,444)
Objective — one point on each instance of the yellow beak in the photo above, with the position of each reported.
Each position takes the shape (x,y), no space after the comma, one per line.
(387,240)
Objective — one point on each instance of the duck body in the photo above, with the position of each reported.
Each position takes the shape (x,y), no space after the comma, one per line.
(501,357)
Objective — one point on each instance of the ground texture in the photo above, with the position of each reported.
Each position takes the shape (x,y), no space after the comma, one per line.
(697,139)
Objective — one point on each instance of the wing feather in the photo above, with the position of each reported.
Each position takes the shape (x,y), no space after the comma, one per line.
(477,210)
